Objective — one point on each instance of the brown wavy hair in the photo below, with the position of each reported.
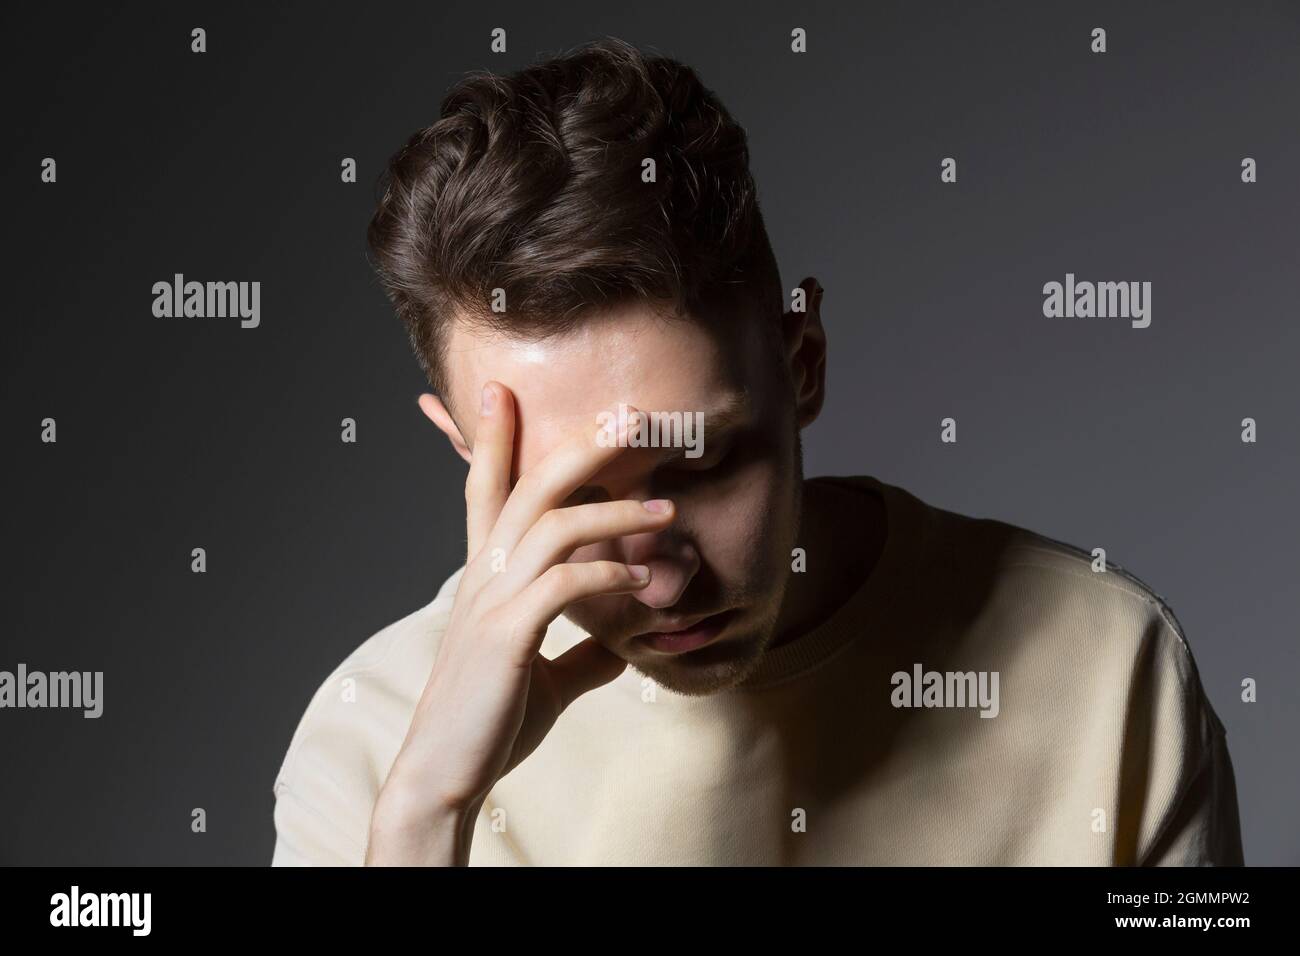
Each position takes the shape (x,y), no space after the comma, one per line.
(532,183)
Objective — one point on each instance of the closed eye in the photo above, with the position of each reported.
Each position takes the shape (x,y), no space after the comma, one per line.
(707,462)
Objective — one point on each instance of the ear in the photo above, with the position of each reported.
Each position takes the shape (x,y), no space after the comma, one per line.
(805,353)
(437,413)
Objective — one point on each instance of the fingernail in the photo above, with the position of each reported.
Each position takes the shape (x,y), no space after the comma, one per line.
(659,506)
(639,572)
(489,399)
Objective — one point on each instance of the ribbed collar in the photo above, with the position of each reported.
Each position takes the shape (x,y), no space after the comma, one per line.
(867,606)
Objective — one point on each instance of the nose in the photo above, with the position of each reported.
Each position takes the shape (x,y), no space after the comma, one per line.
(672,560)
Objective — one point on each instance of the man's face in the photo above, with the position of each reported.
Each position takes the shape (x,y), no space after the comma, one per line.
(728,549)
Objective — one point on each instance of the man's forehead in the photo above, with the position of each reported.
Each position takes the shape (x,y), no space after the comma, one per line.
(562,383)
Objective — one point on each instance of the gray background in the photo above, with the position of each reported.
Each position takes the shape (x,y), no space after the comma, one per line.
(177,433)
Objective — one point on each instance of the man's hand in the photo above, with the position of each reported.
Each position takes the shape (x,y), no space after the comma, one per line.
(491,696)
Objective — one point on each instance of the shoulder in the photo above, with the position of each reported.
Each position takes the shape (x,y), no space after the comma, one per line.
(1075,617)
(1096,662)
(349,735)
(1084,590)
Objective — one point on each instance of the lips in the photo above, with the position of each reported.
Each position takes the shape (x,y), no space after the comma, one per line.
(677,628)
(678,638)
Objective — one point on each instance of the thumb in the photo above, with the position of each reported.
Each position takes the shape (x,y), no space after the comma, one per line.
(583,667)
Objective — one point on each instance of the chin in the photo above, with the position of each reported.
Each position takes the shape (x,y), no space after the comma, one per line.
(710,669)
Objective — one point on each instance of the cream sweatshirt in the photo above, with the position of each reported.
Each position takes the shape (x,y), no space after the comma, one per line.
(986,697)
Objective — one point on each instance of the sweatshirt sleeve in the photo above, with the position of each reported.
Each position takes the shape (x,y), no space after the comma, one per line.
(1203,826)
(348,737)
(326,785)
(306,837)
(1192,790)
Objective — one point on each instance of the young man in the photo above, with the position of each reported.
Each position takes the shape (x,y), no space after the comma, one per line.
(683,652)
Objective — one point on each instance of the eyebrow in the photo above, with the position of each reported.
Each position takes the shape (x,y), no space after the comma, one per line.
(734,412)
(730,414)
(724,420)
(728,417)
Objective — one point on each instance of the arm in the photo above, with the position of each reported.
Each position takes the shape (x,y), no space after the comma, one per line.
(491,696)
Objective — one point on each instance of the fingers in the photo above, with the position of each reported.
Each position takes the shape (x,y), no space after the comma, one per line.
(487,487)
(555,535)
(555,477)
(582,668)
(533,610)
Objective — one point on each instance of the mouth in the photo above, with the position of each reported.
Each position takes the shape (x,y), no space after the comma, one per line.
(688,637)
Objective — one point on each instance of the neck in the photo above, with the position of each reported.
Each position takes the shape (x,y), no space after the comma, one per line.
(842,532)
